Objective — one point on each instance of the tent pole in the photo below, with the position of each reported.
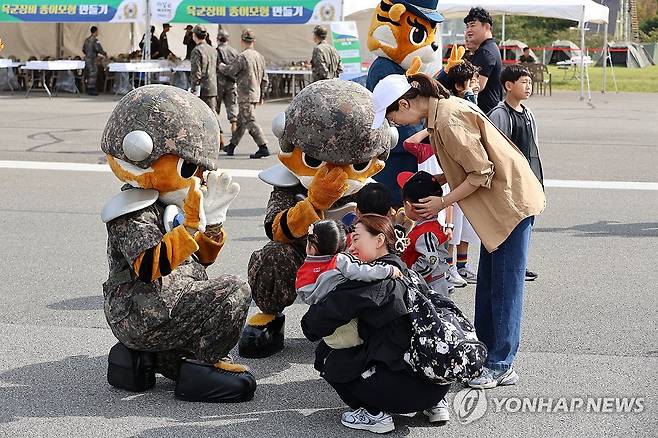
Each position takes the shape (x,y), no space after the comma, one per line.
(59,41)
(605,56)
(438,39)
(503,40)
(582,55)
(146,53)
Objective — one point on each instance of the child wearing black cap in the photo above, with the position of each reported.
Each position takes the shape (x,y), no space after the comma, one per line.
(427,251)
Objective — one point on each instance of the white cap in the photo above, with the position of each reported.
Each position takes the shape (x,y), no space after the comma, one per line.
(387,91)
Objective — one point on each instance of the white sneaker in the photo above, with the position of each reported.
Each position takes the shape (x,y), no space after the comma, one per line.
(454,278)
(439,412)
(492,378)
(361,419)
(468,274)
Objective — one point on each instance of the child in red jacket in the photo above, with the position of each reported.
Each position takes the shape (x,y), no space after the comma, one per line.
(427,252)
(326,267)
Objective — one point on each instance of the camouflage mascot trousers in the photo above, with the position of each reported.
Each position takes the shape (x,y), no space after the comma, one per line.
(272,273)
(204,323)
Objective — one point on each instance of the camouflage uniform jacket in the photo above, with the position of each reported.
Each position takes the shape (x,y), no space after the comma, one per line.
(204,73)
(325,62)
(92,48)
(129,236)
(225,55)
(248,69)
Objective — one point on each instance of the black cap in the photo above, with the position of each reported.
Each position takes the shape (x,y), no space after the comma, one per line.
(418,185)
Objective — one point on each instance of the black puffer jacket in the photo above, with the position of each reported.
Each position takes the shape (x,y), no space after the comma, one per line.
(384,325)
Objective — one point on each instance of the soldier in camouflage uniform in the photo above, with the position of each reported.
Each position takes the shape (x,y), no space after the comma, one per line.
(203,75)
(248,69)
(164,229)
(91,49)
(325,62)
(227,91)
(328,153)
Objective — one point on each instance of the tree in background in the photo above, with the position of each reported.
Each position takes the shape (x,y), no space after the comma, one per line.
(647,12)
(541,32)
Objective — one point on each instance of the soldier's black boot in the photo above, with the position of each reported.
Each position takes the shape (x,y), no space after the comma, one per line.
(262,338)
(262,152)
(222,382)
(229,149)
(92,91)
(129,369)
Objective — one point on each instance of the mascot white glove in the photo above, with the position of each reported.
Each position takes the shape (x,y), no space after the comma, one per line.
(218,193)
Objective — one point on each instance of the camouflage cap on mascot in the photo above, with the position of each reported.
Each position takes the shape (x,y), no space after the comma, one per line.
(330,120)
(176,121)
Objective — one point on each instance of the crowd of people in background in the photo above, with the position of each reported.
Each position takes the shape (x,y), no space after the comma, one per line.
(237,80)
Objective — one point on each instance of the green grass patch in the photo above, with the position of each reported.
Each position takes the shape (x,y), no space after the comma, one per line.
(643,80)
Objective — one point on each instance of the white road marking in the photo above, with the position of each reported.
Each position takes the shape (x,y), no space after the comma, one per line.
(83,167)
(253,173)
(133,397)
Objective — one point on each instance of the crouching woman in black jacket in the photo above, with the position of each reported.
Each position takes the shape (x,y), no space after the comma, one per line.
(372,378)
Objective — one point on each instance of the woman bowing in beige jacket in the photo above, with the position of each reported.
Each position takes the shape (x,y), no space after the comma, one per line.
(493,184)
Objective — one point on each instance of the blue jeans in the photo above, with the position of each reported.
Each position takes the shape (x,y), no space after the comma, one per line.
(499,296)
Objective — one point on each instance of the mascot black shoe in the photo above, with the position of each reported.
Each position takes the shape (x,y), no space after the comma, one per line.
(262,336)
(131,370)
(223,382)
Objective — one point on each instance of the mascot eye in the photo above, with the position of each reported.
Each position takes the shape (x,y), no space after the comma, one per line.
(418,33)
(186,169)
(360,167)
(311,162)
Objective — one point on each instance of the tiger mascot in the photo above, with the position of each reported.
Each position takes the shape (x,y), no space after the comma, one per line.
(402,35)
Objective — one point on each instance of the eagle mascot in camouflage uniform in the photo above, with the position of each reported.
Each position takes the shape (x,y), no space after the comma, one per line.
(164,228)
(328,153)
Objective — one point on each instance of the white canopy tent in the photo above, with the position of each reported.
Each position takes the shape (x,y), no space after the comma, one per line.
(583,11)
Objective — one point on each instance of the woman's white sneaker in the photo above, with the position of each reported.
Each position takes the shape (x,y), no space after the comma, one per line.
(361,419)
(492,378)
(438,413)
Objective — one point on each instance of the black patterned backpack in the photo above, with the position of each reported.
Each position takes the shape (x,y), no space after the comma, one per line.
(444,347)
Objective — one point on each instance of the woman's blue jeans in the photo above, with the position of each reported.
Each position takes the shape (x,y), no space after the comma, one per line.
(499,296)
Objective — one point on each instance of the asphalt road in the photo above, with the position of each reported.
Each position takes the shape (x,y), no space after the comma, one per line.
(590,322)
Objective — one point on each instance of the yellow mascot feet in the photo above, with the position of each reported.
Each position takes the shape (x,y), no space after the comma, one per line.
(262,336)
(227,365)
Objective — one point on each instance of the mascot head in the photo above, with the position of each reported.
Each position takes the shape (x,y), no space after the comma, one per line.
(404,29)
(158,137)
(328,124)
